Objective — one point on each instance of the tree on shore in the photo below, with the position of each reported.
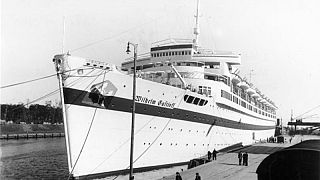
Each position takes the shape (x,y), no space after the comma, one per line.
(35,113)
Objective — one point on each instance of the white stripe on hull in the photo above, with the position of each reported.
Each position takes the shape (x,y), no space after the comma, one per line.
(108,143)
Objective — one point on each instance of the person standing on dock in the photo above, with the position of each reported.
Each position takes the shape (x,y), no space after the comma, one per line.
(245,157)
(209,156)
(178,177)
(240,157)
(198,177)
(214,154)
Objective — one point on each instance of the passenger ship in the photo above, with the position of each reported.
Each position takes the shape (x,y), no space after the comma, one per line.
(189,101)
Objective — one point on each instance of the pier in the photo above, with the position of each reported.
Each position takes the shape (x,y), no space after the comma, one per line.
(30,135)
(227,166)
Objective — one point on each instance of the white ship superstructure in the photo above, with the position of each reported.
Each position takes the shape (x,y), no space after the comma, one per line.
(189,100)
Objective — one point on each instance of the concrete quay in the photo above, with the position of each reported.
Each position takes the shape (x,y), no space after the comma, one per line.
(227,166)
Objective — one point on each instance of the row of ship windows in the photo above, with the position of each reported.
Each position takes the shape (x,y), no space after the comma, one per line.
(176,144)
(236,100)
(159,64)
(195,100)
(171,53)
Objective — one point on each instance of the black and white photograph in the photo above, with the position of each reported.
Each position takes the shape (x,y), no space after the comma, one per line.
(164,90)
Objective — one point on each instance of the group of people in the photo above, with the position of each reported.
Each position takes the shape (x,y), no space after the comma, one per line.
(178,176)
(213,154)
(243,158)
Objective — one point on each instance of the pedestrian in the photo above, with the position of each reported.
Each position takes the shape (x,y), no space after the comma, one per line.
(178,177)
(290,140)
(240,157)
(198,177)
(245,157)
(214,154)
(209,155)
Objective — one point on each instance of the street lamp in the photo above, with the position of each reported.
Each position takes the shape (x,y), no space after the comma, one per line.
(135,47)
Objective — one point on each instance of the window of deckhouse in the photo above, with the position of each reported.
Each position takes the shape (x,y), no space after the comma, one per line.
(205,90)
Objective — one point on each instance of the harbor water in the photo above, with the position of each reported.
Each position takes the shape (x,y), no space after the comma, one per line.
(46,158)
(34,159)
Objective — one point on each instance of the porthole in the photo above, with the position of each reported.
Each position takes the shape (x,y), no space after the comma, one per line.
(148,90)
(124,85)
(160,144)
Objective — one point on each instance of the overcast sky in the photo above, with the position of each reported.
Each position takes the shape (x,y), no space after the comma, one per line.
(278,40)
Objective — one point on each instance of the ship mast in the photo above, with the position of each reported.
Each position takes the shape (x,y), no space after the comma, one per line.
(196,31)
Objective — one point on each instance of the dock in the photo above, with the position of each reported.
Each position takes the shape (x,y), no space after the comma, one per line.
(30,135)
(227,165)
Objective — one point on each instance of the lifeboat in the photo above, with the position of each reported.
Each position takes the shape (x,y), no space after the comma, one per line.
(255,95)
(264,101)
(243,85)
(235,80)
(250,91)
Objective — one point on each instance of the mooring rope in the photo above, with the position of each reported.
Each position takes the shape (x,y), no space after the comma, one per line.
(85,140)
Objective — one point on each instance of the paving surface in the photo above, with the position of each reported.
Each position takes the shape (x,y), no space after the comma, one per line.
(226,166)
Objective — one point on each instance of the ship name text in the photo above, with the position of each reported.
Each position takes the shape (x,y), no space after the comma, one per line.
(162,103)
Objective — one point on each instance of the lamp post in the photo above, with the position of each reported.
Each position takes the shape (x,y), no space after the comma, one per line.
(135,46)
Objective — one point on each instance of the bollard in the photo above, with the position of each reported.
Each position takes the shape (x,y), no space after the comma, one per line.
(17,136)
(7,136)
(59,134)
(44,135)
(27,136)
(52,135)
(36,135)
